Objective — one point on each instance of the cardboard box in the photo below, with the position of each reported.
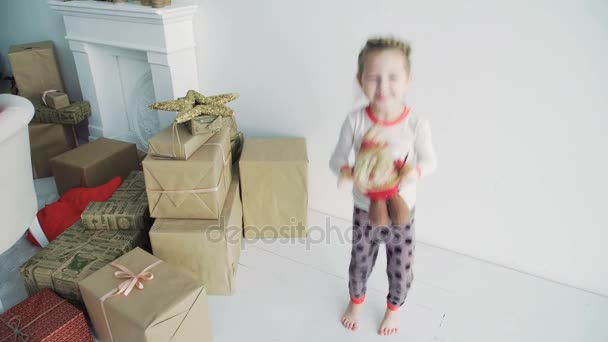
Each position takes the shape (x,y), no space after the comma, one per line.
(48,141)
(44,317)
(55,99)
(35,69)
(207,250)
(72,114)
(94,164)
(74,255)
(194,188)
(176,142)
(170,306)
(274,187)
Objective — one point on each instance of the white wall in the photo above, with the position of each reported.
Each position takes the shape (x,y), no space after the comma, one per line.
(513,90)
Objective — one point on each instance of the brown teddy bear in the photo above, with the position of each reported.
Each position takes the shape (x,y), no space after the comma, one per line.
(378,176)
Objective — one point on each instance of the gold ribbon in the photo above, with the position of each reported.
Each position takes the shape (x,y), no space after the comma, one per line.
(17,332)
(44,95)
(124,288)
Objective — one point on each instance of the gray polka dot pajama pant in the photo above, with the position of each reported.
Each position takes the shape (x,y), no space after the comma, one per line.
(400,245)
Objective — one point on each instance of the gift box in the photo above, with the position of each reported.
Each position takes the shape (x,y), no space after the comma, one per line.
(206,124)
(35,68)
(176,142)
(94,163)
(44,317)
(72,114)
(194,188)
(116,215)
(274,187)
(127,208)
(74,255)
(55,99)
(132,189)
(207,250)
(48,141)
(161,304)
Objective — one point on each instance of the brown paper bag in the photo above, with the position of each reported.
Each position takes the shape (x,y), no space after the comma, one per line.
(274,186)
(170,306)
(194,188)
(35,69)
(207,250)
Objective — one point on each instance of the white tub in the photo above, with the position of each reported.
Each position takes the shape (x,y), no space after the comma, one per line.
(18,205)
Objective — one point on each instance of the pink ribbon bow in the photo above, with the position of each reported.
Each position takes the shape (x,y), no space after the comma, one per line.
(133,280)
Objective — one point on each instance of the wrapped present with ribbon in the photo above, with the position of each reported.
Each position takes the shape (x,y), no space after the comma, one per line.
(175,142)
(195,188)
(44,317)
(207,250)
(72,114)
(139,298)
(74,255)
(35,68)
(202,115)
(55,99)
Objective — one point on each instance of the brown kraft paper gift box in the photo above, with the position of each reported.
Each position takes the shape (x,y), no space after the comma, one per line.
(169,306)
(94,164)
(195,188)
(176,142)
(35,69)
(274,187)
(207,250)
(48,141)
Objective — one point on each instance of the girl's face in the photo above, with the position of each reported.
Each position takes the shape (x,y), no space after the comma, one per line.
(384,79)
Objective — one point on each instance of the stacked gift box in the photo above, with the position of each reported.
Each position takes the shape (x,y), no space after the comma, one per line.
(195,199)
(52,130)
(92,263)
(201,189)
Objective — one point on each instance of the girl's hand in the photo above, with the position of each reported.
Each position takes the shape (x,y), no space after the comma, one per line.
(409,175)
(346,175)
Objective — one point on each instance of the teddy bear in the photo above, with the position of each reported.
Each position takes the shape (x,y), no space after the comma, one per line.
(378,176)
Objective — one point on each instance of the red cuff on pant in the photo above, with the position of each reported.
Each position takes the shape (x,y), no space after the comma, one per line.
(357,300)
(392,307)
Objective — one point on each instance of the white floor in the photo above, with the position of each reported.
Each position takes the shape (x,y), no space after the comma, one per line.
(296,291)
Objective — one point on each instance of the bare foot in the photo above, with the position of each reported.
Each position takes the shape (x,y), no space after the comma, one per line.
(350,320)
(390,323)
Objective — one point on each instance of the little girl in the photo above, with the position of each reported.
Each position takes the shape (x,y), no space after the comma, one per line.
(384,76)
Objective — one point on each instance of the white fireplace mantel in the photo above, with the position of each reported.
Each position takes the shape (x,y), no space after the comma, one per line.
(128,56)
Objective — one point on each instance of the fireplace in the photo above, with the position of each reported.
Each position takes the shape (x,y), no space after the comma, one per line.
(128,56)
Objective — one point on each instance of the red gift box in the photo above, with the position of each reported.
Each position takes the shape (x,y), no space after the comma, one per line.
(44,317)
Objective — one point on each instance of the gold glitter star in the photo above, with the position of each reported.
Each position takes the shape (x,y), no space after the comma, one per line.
(196,104)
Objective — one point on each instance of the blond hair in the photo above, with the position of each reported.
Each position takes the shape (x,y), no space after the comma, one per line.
(381,44)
